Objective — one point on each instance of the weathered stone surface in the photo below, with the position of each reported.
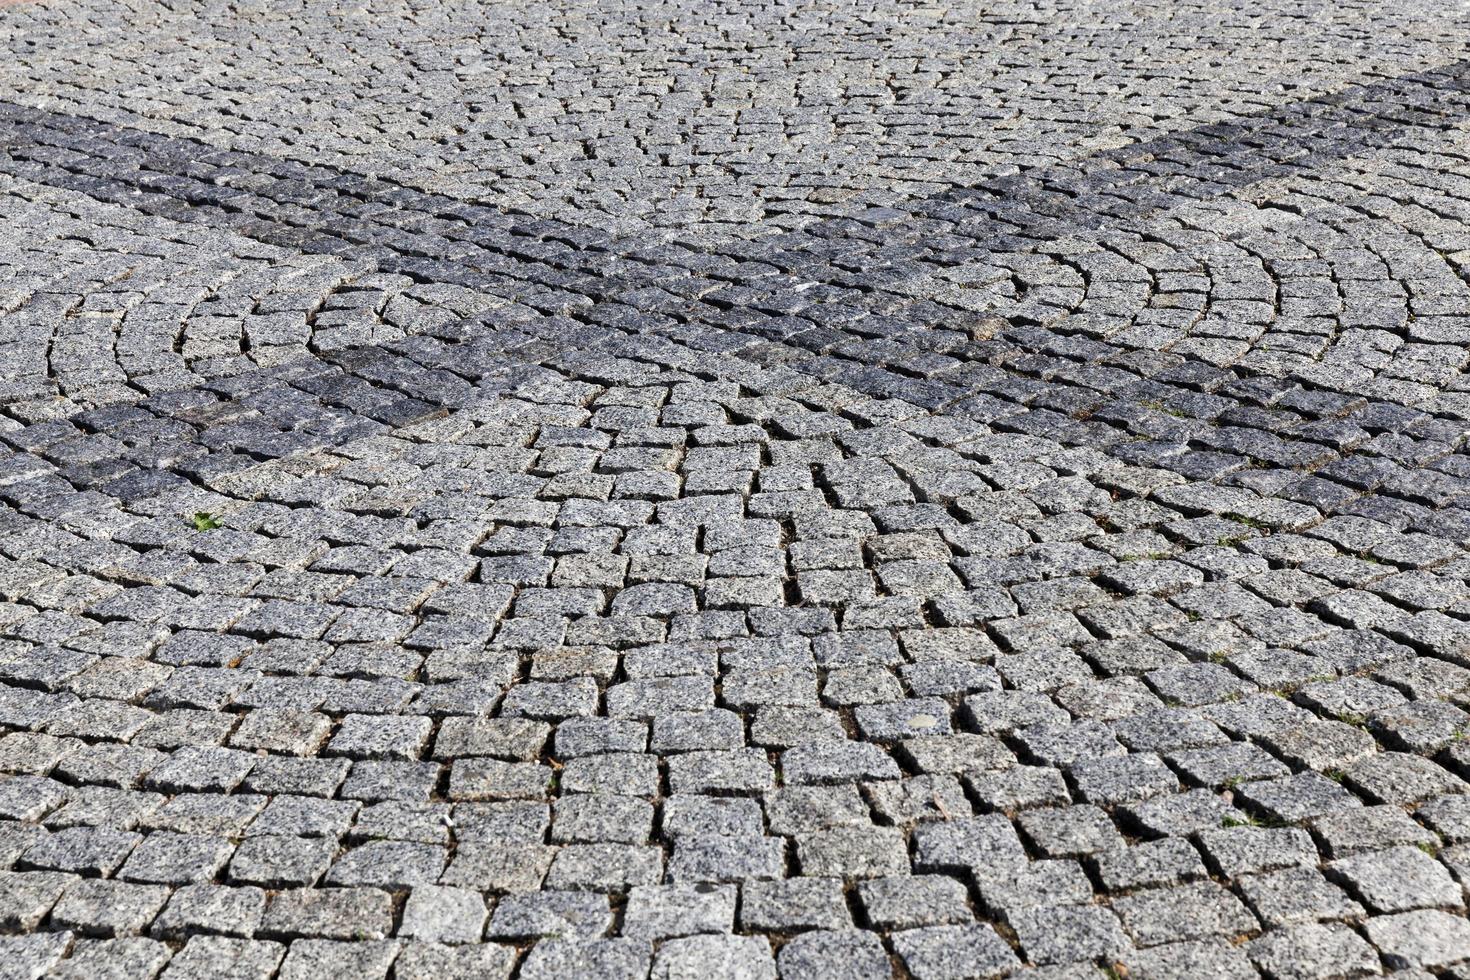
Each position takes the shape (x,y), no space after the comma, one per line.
(750,489)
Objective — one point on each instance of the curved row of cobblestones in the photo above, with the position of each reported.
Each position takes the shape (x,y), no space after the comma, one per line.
(635,115)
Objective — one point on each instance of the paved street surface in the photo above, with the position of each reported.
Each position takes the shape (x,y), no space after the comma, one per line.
(839,489)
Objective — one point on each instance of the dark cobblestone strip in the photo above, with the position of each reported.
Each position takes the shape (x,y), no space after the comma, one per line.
(882,302)
(557,268)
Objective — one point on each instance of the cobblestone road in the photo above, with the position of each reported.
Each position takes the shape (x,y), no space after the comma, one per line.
(734,489)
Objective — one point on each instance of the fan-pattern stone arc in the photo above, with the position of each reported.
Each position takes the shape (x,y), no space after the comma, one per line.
(896,490)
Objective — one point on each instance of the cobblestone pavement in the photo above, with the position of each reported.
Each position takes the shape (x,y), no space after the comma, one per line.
(737,489)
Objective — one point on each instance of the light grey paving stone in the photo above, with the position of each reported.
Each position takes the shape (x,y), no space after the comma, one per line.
(1427,939)
(741,957)
(1065,934)
(1215,959)
(1447,816)
(592,818)
(478,823)
(827,762)
(85,850)
(338,913)
(396,822)
(798,810)
(912,901)
(1071,832)
(658,912)
(423,961)
(620,958)
(794,904)
(1295,895)
(26,898)
(211,909)
(108,908)
(567,915)
(281,862)
(1313,950)
(604,867)
(1019,787)
(1008,889)
(1195,911)
(305,816)
(695,815)
(1151,863)
(1398,879)
(393,865)
(438,914)
(941,952)
(845,953)
(1298,797)
(491,779)
(1242,850)
(33,955)
(176,859)
(988,840)
(319,957)
(853,852)
(131,956)
(716,858)
(214,956)
(504,867)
